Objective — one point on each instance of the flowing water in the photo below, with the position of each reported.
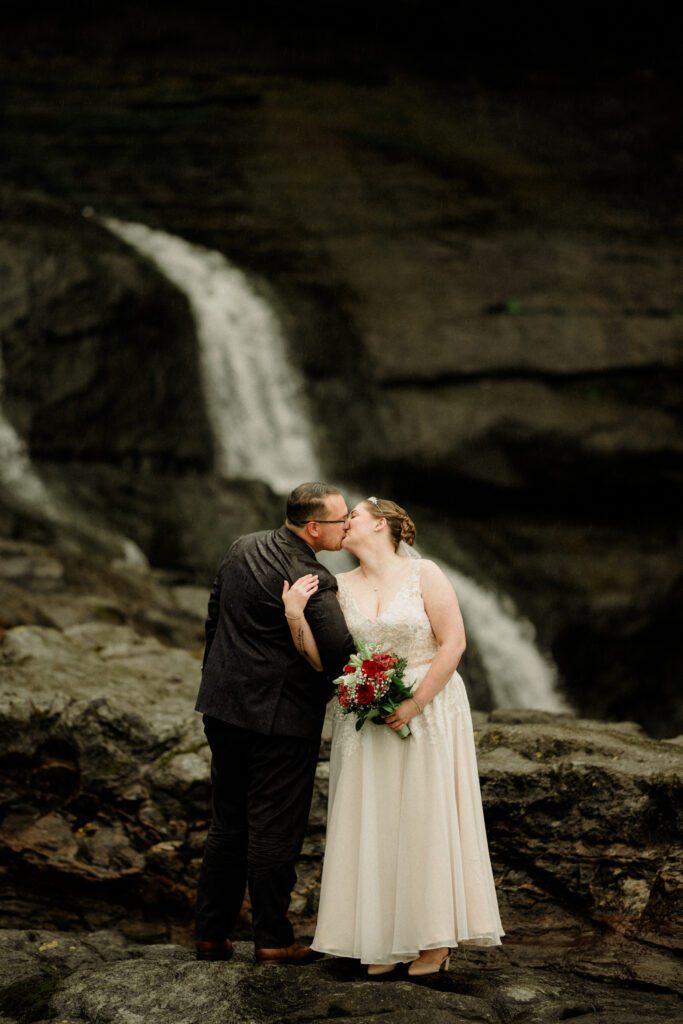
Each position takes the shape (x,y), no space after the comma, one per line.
(258,412)
(17,475)
(255,401)
(518,674)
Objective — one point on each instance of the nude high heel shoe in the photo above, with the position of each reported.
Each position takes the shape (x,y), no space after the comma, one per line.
(420,968)
(376,969)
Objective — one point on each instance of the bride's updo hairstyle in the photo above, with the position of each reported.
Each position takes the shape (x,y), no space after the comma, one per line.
(401,526)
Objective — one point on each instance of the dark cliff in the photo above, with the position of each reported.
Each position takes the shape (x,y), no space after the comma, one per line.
(475,250)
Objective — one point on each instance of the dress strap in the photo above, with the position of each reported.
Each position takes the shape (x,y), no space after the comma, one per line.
(414,574)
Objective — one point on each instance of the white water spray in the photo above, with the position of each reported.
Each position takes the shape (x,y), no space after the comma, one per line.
(19,479)
(517,672)
(17,475)
(262,431)
(254,399)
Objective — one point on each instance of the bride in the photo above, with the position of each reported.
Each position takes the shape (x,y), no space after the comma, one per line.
(406,875)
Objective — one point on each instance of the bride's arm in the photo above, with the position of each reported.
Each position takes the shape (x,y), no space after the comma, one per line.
(295,598)
(443,611)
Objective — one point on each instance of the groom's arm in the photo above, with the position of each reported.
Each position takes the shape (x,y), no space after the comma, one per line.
(334,642)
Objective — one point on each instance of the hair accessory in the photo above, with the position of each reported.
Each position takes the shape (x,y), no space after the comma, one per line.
(374,501)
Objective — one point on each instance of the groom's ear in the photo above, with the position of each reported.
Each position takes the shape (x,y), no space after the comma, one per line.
(312,529)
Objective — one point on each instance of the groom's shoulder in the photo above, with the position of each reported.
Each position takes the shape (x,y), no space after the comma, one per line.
(245,540)
(243,544)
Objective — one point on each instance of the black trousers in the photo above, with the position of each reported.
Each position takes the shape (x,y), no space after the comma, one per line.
(261,797)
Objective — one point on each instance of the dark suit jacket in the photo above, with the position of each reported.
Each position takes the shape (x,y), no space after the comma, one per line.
(252,674)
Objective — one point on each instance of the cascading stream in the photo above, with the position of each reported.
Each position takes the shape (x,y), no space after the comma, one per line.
(254,400)
(518,674)
(257,409)
(17,475)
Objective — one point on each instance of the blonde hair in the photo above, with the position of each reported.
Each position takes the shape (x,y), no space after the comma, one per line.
(401,526)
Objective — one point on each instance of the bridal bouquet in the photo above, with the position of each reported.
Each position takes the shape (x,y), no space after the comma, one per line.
(371,686)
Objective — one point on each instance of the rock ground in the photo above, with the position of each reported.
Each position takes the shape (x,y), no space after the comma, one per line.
(97,978)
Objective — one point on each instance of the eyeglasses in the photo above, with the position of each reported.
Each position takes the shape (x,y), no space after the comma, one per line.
(329,520)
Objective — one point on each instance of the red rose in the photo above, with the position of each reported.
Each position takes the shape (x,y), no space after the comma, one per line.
(348,669)
(371,669)
(365,693)
(385,661)
(343,695)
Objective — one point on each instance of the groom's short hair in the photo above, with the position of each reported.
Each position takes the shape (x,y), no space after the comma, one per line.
(307,501)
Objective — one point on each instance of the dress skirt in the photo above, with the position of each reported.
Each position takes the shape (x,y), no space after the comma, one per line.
(406,864)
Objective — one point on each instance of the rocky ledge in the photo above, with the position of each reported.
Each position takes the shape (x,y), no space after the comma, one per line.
(104,778)
(55,976)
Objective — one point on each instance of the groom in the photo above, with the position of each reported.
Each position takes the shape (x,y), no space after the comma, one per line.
(263,708)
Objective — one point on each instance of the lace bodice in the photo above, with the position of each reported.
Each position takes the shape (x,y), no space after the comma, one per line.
(402,627)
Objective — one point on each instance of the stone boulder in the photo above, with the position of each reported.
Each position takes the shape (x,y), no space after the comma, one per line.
(97,977)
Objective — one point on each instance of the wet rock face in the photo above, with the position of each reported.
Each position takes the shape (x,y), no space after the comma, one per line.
(478,275)
(79,311)
(509,287)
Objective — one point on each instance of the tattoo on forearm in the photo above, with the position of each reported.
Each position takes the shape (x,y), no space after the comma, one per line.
(300,642)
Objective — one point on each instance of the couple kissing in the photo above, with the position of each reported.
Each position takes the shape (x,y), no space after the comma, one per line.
(406,874)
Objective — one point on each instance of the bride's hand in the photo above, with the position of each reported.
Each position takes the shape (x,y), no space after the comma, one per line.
(402,715)
(296,597)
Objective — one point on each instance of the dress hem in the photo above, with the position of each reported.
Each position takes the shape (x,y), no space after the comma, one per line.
(406,955)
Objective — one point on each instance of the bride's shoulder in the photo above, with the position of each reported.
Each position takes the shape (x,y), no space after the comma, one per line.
(430,572)
(427,565)
(344,577)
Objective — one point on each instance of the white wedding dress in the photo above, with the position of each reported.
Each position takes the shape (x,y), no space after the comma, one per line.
(406,862)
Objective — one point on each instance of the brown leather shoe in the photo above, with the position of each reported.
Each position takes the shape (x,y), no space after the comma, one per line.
(222,950)
(294,954)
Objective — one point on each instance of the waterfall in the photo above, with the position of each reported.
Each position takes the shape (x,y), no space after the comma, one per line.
(518,674)
(17,475)
(255,401)
(256,405)
(20,480)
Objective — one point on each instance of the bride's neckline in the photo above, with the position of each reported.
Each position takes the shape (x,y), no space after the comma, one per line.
(407,575)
